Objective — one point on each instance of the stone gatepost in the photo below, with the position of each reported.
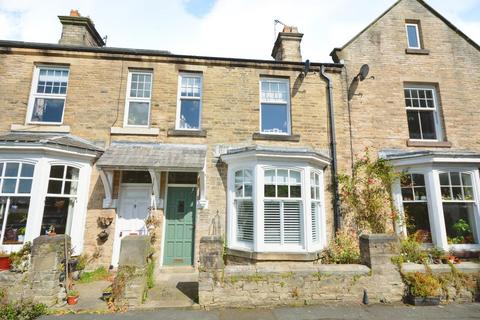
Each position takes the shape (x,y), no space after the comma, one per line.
(211,266)
(48,253)
(130,284)
(211,253)
(376,251)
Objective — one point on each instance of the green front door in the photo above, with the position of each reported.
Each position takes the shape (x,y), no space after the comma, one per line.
(180,226)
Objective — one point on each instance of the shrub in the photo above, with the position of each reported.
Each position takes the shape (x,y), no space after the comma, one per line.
(82,262)
(344,249)
(411,251)
(22,310)
(366,195)
(20,260)
(423,284)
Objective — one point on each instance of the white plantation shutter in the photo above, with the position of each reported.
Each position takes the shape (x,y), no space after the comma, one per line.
(244,220)
(315,221)
(272,222)
(292,222)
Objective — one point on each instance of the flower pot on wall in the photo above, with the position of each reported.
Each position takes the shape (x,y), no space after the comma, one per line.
(72,300)
(5,263)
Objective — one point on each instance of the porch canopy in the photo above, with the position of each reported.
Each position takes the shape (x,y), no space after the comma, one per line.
(158,156)
(152,157)
(51,142)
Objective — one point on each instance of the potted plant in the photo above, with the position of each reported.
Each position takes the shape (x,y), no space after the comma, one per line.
(107,293)
(51,231)
(21,234)
(72,297)
(423,289)
(5,261)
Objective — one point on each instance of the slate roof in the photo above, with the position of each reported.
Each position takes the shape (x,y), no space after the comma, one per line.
(129,155)
(402,154)
(64,142)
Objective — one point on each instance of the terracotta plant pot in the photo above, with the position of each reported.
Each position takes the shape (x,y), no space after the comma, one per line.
(5,263)
(72,300)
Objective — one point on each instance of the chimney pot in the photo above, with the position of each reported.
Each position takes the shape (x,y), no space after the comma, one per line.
(74,13)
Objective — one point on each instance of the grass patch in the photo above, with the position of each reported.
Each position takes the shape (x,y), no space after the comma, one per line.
(150,274)
(98,274)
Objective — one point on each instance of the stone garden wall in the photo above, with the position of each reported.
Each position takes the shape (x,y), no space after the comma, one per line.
(42,283)
(269,284)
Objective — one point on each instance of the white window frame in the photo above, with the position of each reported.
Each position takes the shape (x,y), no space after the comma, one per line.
(435,203)
(129,99)
(287,103)
(180,97)
(258,169)
(38,193)
(34,95)
(435,110)
(417,29)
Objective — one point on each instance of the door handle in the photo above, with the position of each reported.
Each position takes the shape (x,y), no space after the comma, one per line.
(121,232)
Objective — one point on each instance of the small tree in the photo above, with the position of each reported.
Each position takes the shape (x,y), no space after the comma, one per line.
(366,195)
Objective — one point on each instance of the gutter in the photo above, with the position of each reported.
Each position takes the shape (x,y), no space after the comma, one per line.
(333,150)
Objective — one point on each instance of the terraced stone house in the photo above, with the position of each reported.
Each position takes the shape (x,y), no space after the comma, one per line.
(98,139)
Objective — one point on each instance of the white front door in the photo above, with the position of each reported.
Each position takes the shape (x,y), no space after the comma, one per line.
(131,215)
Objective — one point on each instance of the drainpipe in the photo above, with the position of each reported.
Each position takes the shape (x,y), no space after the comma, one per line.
(333,150)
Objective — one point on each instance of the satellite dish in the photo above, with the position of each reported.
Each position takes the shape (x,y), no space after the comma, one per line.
(306,67)
(362,75)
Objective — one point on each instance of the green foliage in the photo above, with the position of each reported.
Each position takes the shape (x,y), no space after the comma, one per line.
(82,262)
(366,195)
(344,249)
(22,311)
(20,260)
(98,274)
(72,293)
(463,233)
(150,274)
(423,284)
(411,251)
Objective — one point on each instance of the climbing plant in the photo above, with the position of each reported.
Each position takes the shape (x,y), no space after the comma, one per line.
(366,194)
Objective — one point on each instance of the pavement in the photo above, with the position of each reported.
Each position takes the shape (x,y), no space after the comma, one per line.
(350,312)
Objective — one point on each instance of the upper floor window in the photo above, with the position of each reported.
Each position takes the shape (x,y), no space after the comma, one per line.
(413,35)
(422,113)
(139,90)
(189,101)
(274,106)
(48,94)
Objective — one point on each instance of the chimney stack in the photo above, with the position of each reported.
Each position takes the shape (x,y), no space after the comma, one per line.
(287,46)
(79,31)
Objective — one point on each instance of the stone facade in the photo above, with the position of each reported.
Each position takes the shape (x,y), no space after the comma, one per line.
(448,62)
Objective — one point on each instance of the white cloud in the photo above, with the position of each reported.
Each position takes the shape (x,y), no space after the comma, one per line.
(232,28)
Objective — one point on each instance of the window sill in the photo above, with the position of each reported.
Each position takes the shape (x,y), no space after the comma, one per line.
(276,137)
(186,133)
(40,128)
(417,51)
(275,256)
(135,131)
(429,144)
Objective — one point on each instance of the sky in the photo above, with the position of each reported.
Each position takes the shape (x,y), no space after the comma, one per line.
(222,28)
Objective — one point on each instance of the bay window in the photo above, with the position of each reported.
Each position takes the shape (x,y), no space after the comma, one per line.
(276,206)
(440,204)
